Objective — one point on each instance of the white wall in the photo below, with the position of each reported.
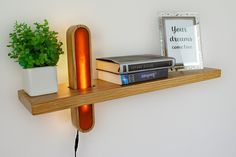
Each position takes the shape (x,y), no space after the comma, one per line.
(197,120)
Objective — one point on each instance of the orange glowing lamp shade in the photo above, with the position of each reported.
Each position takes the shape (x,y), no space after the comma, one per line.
(82,57)
(83,73)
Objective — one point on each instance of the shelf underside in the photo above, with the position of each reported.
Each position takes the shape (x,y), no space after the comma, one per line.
(103,91)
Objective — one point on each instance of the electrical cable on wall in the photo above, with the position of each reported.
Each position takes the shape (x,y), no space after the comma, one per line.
(76,142)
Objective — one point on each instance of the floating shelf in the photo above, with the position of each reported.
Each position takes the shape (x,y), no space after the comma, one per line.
(103,91)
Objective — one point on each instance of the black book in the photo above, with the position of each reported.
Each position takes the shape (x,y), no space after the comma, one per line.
(134,63)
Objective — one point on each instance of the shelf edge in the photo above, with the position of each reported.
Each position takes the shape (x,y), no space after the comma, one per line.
(92,97)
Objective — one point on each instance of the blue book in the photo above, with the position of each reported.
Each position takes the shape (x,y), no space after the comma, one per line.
(130,78)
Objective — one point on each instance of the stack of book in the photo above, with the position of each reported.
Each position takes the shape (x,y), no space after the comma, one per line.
(126,70)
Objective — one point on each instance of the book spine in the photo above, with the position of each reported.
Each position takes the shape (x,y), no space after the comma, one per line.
(129,68)
(143,76)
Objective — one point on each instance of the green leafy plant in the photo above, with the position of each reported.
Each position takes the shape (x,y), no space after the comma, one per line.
(35,46)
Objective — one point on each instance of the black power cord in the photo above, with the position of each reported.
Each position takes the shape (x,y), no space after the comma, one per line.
(76,142)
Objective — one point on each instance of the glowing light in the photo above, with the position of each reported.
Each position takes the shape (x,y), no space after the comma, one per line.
(85,108)
(82,56)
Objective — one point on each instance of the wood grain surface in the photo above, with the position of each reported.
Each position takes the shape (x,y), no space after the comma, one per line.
(103,91)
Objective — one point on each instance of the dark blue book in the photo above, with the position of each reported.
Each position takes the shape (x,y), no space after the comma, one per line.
(125,79)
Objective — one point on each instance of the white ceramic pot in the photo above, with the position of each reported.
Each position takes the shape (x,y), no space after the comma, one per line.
(40,81)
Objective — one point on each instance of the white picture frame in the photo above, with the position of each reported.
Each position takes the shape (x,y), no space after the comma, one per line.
(180,38)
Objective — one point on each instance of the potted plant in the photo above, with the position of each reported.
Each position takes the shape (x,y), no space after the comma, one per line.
(37,50)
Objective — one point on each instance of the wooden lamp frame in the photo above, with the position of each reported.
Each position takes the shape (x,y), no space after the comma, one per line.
(83,116)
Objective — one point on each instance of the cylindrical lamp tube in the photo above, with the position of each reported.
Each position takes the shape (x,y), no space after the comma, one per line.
(82,56)
(79,64)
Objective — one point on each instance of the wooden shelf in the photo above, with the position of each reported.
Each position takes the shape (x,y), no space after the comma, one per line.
(103,91)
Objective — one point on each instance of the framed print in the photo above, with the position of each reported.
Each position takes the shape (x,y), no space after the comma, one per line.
(180,38)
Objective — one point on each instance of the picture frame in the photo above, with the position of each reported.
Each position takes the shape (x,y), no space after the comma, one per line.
(180,38)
